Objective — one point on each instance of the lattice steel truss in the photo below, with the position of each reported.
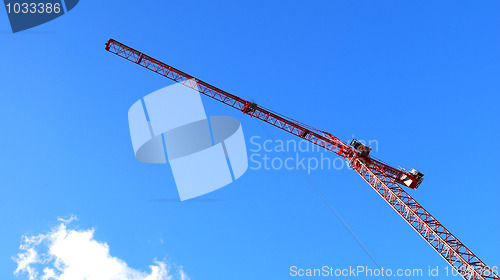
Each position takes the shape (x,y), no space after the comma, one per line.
(384,179)
(446,244)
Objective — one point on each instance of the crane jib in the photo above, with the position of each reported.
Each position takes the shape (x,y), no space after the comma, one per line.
(383,178)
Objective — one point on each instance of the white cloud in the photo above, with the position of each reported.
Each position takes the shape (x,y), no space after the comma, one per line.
(70,254)
(68,220)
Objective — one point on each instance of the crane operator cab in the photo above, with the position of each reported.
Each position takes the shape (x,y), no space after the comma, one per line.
(360,147)
(413,179)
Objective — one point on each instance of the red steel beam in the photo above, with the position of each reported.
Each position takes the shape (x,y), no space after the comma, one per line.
(454,252)
(315,136)
(383,178)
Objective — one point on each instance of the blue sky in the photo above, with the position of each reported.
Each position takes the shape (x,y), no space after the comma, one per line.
(420,79)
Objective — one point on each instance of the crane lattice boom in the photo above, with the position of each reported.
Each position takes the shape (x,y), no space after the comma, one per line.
(386,180)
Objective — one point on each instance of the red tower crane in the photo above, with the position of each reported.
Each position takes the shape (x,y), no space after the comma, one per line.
(387,181)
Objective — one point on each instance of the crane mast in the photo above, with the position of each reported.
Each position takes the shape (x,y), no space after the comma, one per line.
(386,180)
